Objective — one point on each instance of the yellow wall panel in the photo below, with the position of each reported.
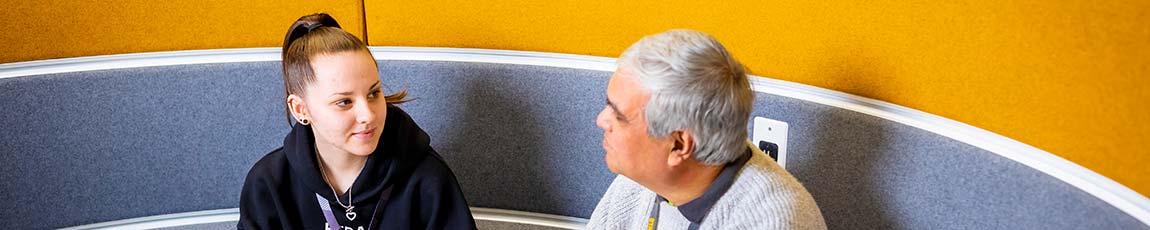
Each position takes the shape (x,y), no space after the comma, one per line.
(1069,77)
(56,29)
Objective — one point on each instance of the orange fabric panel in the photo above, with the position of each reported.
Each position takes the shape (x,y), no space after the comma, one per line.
(57,29)
(1068,77)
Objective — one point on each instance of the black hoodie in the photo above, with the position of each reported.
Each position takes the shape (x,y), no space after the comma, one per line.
(280,190)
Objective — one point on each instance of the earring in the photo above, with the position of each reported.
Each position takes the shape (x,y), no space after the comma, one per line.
(303,121)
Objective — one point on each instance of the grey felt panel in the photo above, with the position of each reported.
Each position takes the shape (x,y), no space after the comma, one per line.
(868,173)
(518,137)
(97,146)
(86,147)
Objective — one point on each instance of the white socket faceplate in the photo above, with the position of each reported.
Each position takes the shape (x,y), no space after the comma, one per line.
(772,131)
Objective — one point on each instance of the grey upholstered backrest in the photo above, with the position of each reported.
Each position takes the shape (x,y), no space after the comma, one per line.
(94,146)
(870,173)
(518,137)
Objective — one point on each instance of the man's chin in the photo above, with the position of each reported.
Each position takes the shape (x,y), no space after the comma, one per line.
(612,167)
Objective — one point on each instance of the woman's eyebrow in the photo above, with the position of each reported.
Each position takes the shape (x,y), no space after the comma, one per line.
(349,93)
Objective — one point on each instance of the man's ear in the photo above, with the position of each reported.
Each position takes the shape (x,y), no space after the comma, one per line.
(297,107)
(683,147)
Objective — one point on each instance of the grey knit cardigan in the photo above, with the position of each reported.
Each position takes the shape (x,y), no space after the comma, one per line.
(763,196)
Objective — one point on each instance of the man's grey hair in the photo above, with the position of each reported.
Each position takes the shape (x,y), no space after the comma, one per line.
(695,86)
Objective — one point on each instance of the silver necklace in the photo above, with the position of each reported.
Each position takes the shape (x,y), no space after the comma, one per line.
(350,214)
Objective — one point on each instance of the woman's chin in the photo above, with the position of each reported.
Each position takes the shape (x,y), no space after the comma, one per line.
(362,151)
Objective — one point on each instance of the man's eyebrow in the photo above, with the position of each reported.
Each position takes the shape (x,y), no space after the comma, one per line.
(616,110)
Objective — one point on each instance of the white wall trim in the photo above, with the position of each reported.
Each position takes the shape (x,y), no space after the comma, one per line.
(494,56)
(233,215)
(167,221)
(191,57)
(1104,188)
(122,61)
(521,217)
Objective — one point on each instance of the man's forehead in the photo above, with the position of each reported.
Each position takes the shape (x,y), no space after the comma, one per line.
(623,79)
(624,90)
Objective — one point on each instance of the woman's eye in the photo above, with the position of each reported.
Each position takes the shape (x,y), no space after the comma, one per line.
(373,94)
(343,103)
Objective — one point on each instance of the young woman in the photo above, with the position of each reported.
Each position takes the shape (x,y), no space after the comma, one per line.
(352,159)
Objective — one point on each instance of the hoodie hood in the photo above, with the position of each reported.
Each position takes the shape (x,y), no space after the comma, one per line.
(402,145)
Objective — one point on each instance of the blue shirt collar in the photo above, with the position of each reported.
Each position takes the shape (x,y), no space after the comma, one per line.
(698,208)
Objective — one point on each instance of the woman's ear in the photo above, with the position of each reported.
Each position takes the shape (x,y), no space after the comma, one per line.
(683,147)
(298,109)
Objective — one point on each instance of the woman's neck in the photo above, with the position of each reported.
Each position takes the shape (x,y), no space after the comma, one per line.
(340,167)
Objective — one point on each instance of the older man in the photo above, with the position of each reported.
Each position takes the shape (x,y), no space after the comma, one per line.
(674,129)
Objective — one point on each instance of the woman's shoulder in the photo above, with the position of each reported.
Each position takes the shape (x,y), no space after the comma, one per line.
(269,168)
(432,169)
(396,114)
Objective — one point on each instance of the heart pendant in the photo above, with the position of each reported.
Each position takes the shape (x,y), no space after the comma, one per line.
(351,216)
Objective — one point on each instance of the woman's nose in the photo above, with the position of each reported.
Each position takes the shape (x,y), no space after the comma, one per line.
(364,113)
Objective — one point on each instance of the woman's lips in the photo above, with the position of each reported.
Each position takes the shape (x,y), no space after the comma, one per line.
(366,134)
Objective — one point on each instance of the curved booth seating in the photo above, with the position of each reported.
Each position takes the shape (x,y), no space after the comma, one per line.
(163,140)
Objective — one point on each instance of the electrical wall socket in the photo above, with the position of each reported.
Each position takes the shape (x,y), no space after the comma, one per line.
(771,135)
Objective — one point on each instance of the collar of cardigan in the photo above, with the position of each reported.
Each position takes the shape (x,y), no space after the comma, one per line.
(698,208)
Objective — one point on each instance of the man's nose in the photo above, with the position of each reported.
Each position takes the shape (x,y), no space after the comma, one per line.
(601,120)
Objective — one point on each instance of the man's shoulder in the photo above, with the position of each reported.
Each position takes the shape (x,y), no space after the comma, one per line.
(763,180)
(624,201)
(764,194)
(624,190)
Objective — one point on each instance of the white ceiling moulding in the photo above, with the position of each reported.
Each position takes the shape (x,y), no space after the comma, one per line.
(136,60)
